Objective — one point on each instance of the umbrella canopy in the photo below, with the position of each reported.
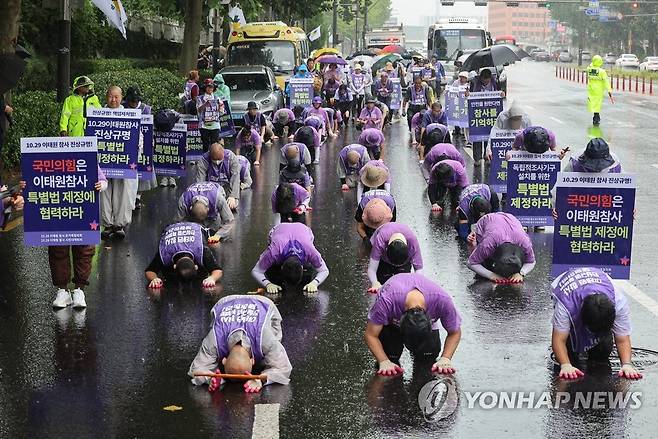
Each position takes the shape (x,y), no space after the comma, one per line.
(393,48)
(364,60)
(381,61)
(324,51)
(364,52)
(331,59)
(493,56)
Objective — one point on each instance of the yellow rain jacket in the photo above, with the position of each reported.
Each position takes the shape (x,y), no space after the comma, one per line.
(598,85)
(73,117)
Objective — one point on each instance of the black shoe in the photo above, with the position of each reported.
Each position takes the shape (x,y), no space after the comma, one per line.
(138,204)
(107,233)
(119,233)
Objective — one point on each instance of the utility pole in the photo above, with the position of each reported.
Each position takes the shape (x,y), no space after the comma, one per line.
(334,25)
(217,30)
(366,4)
(64,51)
(356,24)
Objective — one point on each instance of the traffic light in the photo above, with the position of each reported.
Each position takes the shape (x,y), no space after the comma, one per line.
(635,5)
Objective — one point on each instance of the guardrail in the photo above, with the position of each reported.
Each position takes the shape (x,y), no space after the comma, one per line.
(618,81)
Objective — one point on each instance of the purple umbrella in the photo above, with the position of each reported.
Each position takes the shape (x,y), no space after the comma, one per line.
(331,59)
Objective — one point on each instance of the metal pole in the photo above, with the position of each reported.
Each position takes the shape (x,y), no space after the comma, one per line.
(334,25)
(64,51)
(216,40)
(356,25)
(366,4)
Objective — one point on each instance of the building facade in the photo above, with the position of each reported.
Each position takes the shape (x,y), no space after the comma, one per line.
(527,23)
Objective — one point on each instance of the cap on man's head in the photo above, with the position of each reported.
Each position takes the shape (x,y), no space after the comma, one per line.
(317,100)
(507,259)
(357,66)
(463,74)
(251,105)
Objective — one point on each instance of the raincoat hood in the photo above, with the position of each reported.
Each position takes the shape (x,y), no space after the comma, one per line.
(597,61)
(218,79)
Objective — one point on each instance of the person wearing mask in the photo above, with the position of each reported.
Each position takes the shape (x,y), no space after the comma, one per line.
(447,176)
(373,175)
(500,249)
(357,85)
(370,116)
(290,201)
(440,152)
(295,171)
(351,159)
(183,255)
(475,201)
(406,313)
(590,317)
(205,203)
(237,345)
(191,92)
(597,85)
(376,208)
(436,115)
(74,110)
(257,121)
(249,143)
(418,98)
(222,91)
(344,102)
(118,200)
(483,82)
(290,260)
(221,166)
(209,109)
(284,118)
(511,119)
(395,249)
(373,140)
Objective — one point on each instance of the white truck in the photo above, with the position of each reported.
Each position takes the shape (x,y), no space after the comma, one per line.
(380,38)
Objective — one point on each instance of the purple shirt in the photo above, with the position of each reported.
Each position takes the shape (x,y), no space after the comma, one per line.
(181,238)
(382,194)
(495,229)
(416,121)
(382,235)
(390,302)
(459,177)
(320,113)
(378,164)
(371,134)
(252,141)
(316,136)
(440,149)
(518,140)
(242,313)
(342,156)
(208,189)
(290,239)
(300,194)
(370,116)
(300,147)
(468,194)
(314,122)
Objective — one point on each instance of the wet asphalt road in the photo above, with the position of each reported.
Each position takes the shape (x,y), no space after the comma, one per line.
(109,371)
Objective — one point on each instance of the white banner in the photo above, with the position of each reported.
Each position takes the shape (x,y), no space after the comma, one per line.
(115,13)
(315,33)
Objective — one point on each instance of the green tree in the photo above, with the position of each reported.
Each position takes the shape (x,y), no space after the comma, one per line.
(10,11)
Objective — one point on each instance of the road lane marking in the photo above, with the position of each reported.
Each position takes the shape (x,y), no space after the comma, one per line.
(643,113)
(556,120)
(530,107)
(637,294)
(655,165)
(266,421)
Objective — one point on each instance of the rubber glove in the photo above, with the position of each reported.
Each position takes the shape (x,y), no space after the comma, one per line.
(232,203)
(436,208)
(244,186)
(215,383)
(388,368)
(443,365)
(629,371)
(208,282)
(273,288)
(344,188)
(568,372)
(311,287)
(516,278)
(214,239)
(374,288)
(156,283)
(253,386)
(299,209)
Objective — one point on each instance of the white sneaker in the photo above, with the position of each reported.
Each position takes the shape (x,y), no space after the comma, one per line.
(79,298)
(63,299)
(316,161)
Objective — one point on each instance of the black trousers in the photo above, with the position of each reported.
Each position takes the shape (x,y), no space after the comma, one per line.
(391,340)
(274,275)
(278,128)
(437,193)
(357,105)
(478,151)
(293,218)
(385,271)
(208,137)
(411,111)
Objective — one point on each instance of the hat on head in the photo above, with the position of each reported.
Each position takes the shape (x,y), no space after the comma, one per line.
(373,176)
(597,156)
(302,68)
(372,138)
(507,259)
(357,66)
(82,81)
(282,117)
(389,66)
(208,82)
(515,110)
(370,100)
(317,100)
(415,325)
(252,105)
(376,213)
(536,140)
(463,74)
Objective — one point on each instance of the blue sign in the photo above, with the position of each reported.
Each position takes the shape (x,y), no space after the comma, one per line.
(301,92)
(117,131)
(456,106)
(594,226)
(169,151)
(396,96)
(530,179)
(145,162)
(61,203)
(592,12)
(499,143)
(194,145)
(226,124)
(483,110)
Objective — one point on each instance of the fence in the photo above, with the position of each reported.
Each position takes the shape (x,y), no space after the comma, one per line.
(618,81)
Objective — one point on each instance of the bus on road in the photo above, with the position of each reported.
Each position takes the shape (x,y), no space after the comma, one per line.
(505,39)
(273,44)
(448,38)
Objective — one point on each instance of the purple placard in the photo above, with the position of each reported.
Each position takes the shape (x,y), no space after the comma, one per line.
(117,131)
(301,91)
(594,226)
(530,179)
(396,96)
(145,163)
(169,151)
(61,203)
(499,143)
(226,124)
(456,106)
(483,110)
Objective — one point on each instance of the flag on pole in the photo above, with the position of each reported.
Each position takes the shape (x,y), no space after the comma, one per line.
(236,15)
(116,15)
(315,33)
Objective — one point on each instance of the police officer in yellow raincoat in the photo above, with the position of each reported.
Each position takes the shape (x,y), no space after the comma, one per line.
(74,110)
(597,85)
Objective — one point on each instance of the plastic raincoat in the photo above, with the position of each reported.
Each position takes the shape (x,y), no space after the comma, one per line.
(597,85)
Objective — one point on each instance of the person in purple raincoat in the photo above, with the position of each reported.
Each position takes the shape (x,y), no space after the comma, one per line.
(501,250)
(284,118)
(475,201)
(205,203)
(317,110)
(370,116)
(183,254)
(222,166)
(446,177)
(373,139)
(290,201)
(245,337)
(383,88)
(351,159)
(290,260)
(596,158)
(249,143)
(590,316)
(414,126)
(435,115)
(406,313)
(395,249)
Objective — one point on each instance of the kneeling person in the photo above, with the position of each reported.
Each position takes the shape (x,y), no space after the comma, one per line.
(395,250)
(245,336)
(290,201)
(205,203)
(475,201)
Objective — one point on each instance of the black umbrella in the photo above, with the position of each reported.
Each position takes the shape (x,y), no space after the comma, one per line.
(366,52)
(498,55)
(11,68)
